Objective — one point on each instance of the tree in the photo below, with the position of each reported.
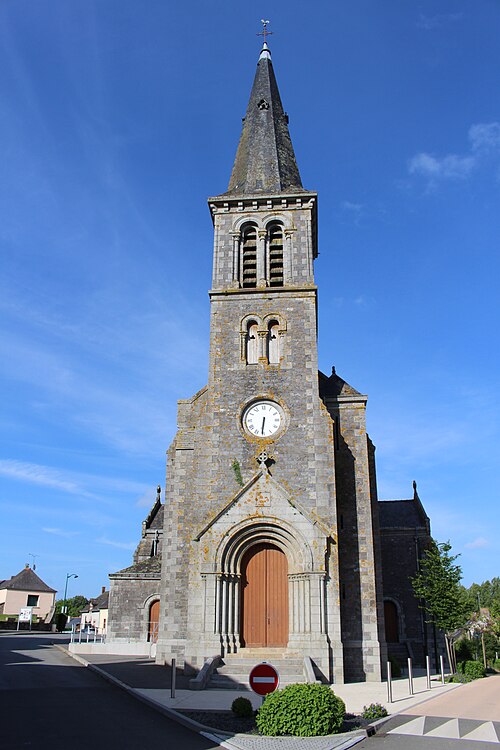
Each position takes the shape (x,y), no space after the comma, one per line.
(75,605)
(437,585)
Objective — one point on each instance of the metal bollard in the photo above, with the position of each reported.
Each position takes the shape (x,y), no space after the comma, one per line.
(441,662)
(428,668)
(410,676)
(389,682)
(174,674)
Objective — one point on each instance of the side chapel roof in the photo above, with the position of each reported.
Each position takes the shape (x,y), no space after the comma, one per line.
(403,514)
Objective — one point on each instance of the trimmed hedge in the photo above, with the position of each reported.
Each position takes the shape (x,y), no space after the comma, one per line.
(308,710)
(474,670)
(242,707)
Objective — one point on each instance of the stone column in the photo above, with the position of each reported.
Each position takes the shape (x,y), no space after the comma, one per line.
(235,284)
(261,258)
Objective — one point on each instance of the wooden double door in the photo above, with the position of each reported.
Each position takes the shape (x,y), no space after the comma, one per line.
(264,597)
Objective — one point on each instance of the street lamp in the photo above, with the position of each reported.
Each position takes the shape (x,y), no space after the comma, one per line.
(64,608)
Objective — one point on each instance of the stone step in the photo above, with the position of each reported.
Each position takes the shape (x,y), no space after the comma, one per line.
(234,671)
(235,682)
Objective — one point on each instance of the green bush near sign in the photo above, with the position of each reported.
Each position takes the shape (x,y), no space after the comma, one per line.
(302,711)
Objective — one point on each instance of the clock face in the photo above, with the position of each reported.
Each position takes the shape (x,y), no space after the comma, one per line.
(263,419)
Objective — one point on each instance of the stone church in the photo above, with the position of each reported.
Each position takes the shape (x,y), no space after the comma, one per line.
(271,539)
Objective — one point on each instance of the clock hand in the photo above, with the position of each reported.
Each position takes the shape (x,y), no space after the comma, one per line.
(263,420)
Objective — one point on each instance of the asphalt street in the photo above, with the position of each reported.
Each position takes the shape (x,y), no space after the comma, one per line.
(47,700)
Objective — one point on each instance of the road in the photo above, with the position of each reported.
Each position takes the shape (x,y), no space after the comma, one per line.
(48,701)
(466,719)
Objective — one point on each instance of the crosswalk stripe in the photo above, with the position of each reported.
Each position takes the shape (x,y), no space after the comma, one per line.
(449,729)
(483,733)
(412,727)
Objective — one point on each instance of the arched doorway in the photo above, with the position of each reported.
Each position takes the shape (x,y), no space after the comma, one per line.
(154,621)
(391,622)
(264,597)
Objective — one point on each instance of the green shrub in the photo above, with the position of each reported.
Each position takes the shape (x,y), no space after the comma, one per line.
(242,708)
(459,677)
(474,670)
(308,710)
(395,668)
(374,711)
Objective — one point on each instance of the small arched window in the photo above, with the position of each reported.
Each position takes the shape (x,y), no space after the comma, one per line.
(252,343)
(273,343)
(275,255)
(249,256)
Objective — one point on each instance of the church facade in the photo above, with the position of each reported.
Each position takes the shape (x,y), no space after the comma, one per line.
(271,533)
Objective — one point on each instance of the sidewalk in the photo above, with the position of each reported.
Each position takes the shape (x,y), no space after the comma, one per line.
(150,683)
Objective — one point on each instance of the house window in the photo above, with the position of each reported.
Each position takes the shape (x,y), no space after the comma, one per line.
(273,343)
(32,600)
(249,265)
(252,343)
(275,255)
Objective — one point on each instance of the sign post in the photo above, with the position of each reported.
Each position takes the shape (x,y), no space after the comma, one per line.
(25,615)
(264,679)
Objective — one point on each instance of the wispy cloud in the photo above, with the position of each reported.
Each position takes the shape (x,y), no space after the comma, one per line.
(84,485)
(450,166)
(479,543)
(438,20)
(120,545)
(36,474)
(60,532)
(484,148)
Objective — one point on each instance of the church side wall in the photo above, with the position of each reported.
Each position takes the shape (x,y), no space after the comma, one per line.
(129,602)
(358,573)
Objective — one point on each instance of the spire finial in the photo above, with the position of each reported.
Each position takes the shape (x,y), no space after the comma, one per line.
(265,33)
(264,53)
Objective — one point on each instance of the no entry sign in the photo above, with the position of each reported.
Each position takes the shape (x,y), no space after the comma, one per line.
(264,678)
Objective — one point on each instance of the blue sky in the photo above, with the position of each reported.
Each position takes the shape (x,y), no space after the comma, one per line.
(118,118)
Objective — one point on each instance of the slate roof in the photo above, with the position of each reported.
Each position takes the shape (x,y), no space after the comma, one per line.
(100,602)
(26,580)
(330,387)
(401,514)
(265,160)
(146,568)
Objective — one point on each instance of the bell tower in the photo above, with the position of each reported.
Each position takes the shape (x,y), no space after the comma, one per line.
(251,535)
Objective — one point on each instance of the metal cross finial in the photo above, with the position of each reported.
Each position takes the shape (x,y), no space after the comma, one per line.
(265,33)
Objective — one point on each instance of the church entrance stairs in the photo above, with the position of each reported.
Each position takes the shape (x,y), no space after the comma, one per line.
(234,670)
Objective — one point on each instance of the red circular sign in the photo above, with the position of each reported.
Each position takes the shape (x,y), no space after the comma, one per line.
(264,678)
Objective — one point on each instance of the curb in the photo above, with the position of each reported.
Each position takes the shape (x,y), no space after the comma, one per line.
(169,712)
(222,738)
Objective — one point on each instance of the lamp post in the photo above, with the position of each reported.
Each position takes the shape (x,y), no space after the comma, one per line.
(64,608)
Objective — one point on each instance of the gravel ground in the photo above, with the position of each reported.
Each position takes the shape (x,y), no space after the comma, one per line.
(226,721)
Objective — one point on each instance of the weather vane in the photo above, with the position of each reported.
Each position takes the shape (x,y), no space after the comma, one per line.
(265,33)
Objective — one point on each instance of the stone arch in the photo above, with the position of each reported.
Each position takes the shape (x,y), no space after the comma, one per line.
(146,607)
(302,578)
(250,327)
(249,533)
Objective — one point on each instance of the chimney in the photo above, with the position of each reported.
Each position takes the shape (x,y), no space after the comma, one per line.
(103,589)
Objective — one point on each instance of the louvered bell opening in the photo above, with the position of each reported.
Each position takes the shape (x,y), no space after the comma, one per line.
(250,258)
(276,256)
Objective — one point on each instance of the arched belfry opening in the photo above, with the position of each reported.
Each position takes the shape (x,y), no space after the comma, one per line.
(249,256)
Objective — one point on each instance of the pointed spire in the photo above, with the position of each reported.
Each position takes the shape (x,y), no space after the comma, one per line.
(265,160)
